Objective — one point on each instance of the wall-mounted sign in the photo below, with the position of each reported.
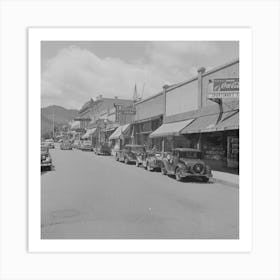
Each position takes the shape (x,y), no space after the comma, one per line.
(128,111)
(223,88)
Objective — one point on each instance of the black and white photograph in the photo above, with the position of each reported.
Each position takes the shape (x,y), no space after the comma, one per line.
(139,139)
(157,128)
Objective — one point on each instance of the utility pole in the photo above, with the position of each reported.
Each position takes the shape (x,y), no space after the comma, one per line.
(53,123)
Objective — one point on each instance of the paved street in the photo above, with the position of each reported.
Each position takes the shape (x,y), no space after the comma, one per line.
(90,196)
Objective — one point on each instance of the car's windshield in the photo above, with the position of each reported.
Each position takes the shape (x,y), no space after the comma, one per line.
(190,154)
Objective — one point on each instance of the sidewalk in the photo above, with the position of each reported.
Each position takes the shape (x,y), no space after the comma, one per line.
(228,179)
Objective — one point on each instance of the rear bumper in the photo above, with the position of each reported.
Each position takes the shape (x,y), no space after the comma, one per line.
(87,148)
(132,159)
(189,174)
(46,164)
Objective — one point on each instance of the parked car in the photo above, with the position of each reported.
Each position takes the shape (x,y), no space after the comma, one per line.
(152,161)
(76,144)
(86,145)
(46,160)
(66,145)
(103,149)
(129,152)
(185,162)
(49,143)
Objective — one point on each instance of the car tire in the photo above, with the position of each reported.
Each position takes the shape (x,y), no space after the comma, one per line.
(177,174)
(149,168)
(205,179)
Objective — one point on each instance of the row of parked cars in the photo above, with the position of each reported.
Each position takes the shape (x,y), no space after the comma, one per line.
(86,145)
(46,160)
(180,162)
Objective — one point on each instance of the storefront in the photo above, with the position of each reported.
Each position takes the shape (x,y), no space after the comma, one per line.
(144,128)
(148,117)
(91,135)
(215,134)
(121,136)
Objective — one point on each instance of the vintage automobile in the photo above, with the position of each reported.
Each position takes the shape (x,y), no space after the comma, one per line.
(76,144)
(66,145)
(185,162)
(46,160)
(86,145)
(152,161)
(103,149)
(129,152)
(49,143)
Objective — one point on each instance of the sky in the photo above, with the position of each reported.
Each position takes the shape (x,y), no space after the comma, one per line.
(72,72)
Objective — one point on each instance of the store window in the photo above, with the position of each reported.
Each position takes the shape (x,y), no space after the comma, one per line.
(213,146)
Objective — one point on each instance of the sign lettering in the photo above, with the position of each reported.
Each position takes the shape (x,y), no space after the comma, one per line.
(223,88)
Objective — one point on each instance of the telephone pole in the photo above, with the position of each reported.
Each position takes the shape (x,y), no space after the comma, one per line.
(53,123)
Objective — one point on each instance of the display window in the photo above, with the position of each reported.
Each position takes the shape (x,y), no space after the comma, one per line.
(213,146)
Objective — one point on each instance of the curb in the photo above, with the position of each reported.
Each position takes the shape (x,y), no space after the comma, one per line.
(227,183)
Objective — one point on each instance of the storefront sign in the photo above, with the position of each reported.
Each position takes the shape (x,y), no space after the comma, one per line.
(223,88)
(128,111)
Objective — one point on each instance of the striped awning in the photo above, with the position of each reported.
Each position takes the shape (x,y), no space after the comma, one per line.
(121,130)
(229,121)
(202,124)
(75,125)
(89,133)
(170,129)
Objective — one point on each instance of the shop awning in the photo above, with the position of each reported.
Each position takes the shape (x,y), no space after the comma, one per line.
(170,129)
(89,133)
(119,132)
(111,127)
(75,125)
(202,124)
(229,121)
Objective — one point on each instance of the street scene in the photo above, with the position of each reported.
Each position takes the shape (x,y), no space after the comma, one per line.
(140,140)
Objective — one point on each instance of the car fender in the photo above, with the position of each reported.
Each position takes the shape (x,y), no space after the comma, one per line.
(164,163)
(180,165)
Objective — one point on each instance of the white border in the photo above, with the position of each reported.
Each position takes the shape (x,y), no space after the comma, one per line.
(243,35)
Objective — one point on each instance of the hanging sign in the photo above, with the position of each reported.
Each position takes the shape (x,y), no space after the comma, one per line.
(223,88)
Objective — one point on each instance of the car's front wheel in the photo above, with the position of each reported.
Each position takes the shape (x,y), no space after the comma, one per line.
(178,174)
(149,168)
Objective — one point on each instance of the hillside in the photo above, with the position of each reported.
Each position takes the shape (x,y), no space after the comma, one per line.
(62,116)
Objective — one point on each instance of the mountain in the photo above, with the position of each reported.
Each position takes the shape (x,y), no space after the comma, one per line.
(61,115)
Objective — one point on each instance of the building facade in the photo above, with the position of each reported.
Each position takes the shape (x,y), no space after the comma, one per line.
(100,118)
(192,119)
(148,117)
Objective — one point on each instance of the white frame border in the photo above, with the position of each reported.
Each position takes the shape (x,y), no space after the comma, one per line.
(36,35)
